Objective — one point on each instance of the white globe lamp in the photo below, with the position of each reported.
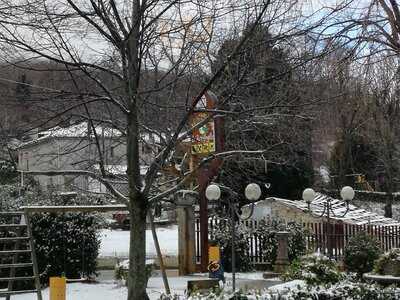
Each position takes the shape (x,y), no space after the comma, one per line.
(347,193)
(252,192)
(213,192)
(308,195)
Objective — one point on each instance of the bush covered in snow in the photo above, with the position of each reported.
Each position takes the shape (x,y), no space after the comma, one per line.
(388,263)
(314,270)
(121,270)
(66,243)
(360,253)
(344,290)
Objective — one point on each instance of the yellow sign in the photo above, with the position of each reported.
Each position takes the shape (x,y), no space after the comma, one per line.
(203,137)
(57,288)
(206,147)
(214,257)
(213,253)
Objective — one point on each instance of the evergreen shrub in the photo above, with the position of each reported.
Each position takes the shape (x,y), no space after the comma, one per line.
(360,253)
(66,243)
(388,263)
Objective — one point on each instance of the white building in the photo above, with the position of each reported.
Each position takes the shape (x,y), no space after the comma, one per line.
(78,147)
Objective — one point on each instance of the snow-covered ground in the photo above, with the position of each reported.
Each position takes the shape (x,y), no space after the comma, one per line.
(258,275)
(115,243)
(109,290)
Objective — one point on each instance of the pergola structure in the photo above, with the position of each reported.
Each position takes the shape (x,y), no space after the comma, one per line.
(25,213)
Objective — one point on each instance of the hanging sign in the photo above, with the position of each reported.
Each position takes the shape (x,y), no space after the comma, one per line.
(203,137)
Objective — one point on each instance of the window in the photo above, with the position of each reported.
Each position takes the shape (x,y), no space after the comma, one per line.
(147,149)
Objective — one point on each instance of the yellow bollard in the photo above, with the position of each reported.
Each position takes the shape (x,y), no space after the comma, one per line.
(57,288)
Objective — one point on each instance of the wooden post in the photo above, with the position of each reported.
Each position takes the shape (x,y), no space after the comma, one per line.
(206,174)
(186,237)
(181,240)
(191,241)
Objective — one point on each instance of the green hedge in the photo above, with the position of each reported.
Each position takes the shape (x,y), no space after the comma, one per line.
(66,244)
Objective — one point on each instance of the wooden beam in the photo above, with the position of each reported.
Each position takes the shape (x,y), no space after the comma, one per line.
(73,208)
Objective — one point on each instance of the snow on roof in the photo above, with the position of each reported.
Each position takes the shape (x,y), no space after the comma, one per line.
(75,131)
(81,131)
(120,169)
(355,215)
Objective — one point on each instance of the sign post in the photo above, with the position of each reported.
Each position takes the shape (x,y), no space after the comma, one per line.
(206,139)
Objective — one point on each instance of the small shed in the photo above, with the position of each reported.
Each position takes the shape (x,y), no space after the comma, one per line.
(297,210)
(329,238)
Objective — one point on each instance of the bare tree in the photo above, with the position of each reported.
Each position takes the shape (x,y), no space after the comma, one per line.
(385,103)
(371,30)
(140,57)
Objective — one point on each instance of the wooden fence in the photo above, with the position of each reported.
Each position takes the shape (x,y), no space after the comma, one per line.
(320,237)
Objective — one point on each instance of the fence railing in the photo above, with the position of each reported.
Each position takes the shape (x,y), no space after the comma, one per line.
(320,237)
(323,237)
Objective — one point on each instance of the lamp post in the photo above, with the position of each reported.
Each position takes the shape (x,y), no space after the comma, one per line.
(252,193)
(347,193)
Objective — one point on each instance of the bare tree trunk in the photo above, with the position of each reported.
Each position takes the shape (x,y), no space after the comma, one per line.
(137,279)
(138,206)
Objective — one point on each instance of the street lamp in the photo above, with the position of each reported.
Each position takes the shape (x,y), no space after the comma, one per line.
(213,192)
(308,196)
(347,193)
(252,193)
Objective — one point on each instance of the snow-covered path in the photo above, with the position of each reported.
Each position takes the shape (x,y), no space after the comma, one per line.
(115,243)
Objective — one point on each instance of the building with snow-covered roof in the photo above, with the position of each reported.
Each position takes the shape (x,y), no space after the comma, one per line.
(77,147)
